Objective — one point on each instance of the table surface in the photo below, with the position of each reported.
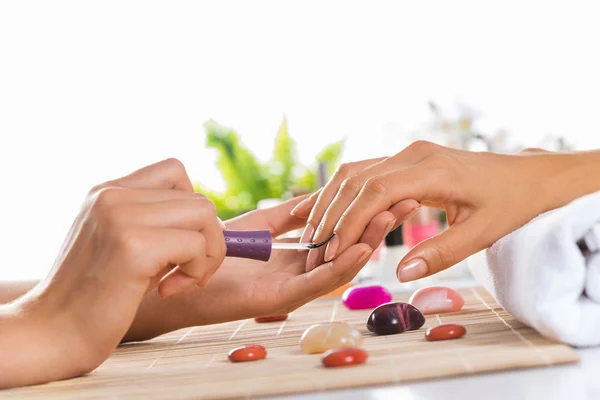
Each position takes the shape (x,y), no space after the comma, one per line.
(576,381)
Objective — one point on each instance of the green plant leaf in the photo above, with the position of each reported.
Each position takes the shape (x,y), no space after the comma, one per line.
(220,201)
(282,163)
(331,156)
(307,181)
(240,169)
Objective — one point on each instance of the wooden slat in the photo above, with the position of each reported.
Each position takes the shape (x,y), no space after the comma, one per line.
(192,363)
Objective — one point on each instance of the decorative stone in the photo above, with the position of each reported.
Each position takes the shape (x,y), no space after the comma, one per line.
(343,357)
(365,297)
(437,300)
(322,337)
(273,318)
(393,318)
(445,332)
(250,352)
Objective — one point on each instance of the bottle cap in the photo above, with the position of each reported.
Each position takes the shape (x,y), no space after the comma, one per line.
(394,238)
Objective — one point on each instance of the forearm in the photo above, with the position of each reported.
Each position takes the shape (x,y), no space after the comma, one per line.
(570,176)
(32,352)
(157,316)
(10,291)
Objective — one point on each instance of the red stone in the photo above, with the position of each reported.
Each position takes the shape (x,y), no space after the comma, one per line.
(344,356)
(250,352)
(444,332)
(273,318)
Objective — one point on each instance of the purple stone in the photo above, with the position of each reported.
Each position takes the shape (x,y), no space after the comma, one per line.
(391,318)
(364,297)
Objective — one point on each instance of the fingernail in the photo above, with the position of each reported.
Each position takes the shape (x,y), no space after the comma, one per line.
(306,237)
(331,249)
(389,226)
(298,209)
(412,213)
(364,256)
(221,223)
(412,270)
(311,260)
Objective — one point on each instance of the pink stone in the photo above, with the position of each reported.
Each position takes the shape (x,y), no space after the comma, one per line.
(365,297)
(437,299)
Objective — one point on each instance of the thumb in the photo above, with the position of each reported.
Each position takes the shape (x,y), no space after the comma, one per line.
(277,219)
(442,251)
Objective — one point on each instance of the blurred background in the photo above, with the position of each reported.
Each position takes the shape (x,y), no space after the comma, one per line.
(263,99)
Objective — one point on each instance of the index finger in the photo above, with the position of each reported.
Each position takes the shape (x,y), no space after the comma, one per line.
(166,174)
(419,182)
(329,192)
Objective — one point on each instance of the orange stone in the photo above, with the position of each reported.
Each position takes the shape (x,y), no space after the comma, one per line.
(344,356)
(250,352)
(437,299)
(273,318)
(445,332)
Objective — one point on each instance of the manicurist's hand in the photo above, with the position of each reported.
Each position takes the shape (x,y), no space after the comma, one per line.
(485,196)
(246,288)
(143,231)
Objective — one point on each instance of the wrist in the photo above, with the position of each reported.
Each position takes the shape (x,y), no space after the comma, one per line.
(157,316)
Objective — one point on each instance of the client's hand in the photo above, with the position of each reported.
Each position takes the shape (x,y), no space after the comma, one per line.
(485,196)
(132,234)
(246,288)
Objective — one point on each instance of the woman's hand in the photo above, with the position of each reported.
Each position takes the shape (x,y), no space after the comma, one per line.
(316,207)
(133,234)
(485,196)
(246,288)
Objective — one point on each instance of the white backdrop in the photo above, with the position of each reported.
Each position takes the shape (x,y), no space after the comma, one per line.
(92,90)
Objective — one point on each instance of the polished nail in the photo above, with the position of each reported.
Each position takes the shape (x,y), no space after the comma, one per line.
(299,209)
(388,227)
(306,237)
(221,223)
(411,214)
(412,270)
(332,246)
(363,257)
(312,259)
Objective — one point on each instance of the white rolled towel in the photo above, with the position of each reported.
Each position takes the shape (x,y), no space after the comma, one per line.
(543,275)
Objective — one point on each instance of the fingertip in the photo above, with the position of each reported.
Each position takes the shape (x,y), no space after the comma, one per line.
(331,249)
(412,270)
(302,209)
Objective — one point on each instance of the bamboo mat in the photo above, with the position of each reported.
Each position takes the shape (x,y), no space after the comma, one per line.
(192,363)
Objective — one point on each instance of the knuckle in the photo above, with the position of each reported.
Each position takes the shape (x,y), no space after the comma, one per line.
(205,209)
(532,150)
(174,164)
(351,185)
(421,146)
(377,185)
(445,254)
(105,198)
(96,189)
(129,243)
(343,171)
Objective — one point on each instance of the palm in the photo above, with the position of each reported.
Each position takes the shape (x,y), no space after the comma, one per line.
(252,288)
(246,288)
